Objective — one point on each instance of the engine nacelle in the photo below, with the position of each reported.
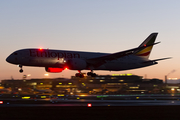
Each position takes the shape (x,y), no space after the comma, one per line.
(77,64)
(53,70)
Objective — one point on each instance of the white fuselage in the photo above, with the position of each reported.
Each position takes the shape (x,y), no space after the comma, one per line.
(57,58)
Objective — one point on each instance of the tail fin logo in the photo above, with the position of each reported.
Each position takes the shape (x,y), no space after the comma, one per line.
(145,52)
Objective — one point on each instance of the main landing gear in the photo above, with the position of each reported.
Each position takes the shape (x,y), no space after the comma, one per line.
(91,74)
(81,75)
(21,70)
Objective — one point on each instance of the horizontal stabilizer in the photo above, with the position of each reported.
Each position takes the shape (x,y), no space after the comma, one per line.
(157,60)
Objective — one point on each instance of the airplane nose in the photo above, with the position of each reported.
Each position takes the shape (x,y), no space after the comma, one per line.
(8,59)
(11,59)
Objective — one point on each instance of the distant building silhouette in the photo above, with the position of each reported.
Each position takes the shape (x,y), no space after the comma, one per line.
(104,84)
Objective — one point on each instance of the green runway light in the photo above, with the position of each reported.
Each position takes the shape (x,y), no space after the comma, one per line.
(101,96)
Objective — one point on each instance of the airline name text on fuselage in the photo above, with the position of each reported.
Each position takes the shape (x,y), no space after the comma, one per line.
(53,54)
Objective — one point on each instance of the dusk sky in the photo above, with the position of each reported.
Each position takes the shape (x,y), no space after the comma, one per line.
(90,25)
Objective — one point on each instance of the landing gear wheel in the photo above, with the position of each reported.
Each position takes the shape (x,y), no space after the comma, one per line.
(21,70)
(81,75)
(77,74)
(91,74)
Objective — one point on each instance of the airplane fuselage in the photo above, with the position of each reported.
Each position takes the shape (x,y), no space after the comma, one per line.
(58,58)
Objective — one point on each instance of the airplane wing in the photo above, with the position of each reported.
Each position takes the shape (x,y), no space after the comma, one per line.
(98,61)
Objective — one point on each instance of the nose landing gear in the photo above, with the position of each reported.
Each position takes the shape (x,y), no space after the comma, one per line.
(21,70)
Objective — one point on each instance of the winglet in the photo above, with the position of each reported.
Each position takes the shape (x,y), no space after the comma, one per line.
(145,52)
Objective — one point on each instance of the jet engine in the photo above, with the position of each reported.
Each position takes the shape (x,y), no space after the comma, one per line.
(53,70)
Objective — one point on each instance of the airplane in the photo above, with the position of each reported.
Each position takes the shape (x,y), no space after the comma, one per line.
(56,61)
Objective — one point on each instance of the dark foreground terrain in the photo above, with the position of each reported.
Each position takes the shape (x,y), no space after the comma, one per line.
(126,107)
(91,113)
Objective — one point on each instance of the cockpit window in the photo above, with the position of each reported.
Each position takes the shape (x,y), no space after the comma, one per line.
(15,53)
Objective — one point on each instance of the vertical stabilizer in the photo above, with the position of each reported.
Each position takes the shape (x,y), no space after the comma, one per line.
(145,52)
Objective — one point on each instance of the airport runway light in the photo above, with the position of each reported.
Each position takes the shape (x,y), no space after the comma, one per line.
(82,95)
(29,75)
(26,97)
(60,95)
(1,102)
(19,89)
(43,97)
(46,74)
(89,105)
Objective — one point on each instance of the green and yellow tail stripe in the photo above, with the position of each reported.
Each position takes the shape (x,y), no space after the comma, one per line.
(145,52)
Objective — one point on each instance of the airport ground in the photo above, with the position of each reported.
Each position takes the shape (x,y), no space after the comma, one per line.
(126,105)
(93,113)
(103,107)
